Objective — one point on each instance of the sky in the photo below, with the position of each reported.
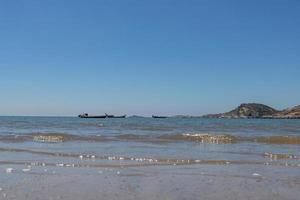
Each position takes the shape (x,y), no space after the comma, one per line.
(143,57)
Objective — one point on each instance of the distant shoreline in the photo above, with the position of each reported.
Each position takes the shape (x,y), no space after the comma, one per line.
(243,111)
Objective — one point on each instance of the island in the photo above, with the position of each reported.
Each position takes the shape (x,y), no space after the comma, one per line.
(256,110)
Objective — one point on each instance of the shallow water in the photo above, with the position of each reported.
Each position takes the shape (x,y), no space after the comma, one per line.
(181,156)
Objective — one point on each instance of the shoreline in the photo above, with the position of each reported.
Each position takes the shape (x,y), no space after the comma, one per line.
(150,183)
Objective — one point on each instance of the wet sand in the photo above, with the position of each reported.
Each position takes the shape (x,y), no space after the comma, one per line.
(156,182)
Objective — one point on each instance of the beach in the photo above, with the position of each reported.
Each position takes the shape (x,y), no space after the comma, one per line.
(150,100)
(145,158)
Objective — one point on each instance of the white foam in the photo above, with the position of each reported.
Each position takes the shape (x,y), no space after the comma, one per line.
(9,170)
(256,174)
(195,135)
(26,170)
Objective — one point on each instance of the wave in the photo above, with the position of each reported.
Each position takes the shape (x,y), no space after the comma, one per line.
(269,155)
(138,162)
(277,139)
(186,137)
(49,137)
(203,138)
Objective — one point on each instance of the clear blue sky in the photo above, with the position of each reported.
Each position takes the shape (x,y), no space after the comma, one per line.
(60,57)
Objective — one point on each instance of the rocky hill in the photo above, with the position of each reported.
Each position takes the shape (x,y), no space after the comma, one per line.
(290,113)
(255,110)
(247,110)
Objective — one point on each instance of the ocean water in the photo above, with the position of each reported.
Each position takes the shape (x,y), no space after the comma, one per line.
(173,158)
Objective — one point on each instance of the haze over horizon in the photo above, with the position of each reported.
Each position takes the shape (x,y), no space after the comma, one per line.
(147,57)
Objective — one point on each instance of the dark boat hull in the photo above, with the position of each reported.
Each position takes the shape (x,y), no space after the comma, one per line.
(159,117)
(122,116)
(101,116)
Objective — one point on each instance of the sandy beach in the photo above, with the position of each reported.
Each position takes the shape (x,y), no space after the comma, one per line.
(152,183)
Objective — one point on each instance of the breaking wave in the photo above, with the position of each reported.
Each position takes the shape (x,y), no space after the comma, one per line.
(123,161)
(186,137)
(50,137)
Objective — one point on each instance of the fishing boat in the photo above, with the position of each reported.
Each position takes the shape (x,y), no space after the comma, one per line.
(86,115)
(113,116)
(159,117)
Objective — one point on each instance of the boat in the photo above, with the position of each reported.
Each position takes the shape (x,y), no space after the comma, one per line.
(159,117)
(121,116)
(86,115)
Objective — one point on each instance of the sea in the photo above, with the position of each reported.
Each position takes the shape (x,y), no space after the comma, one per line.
(147,158)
